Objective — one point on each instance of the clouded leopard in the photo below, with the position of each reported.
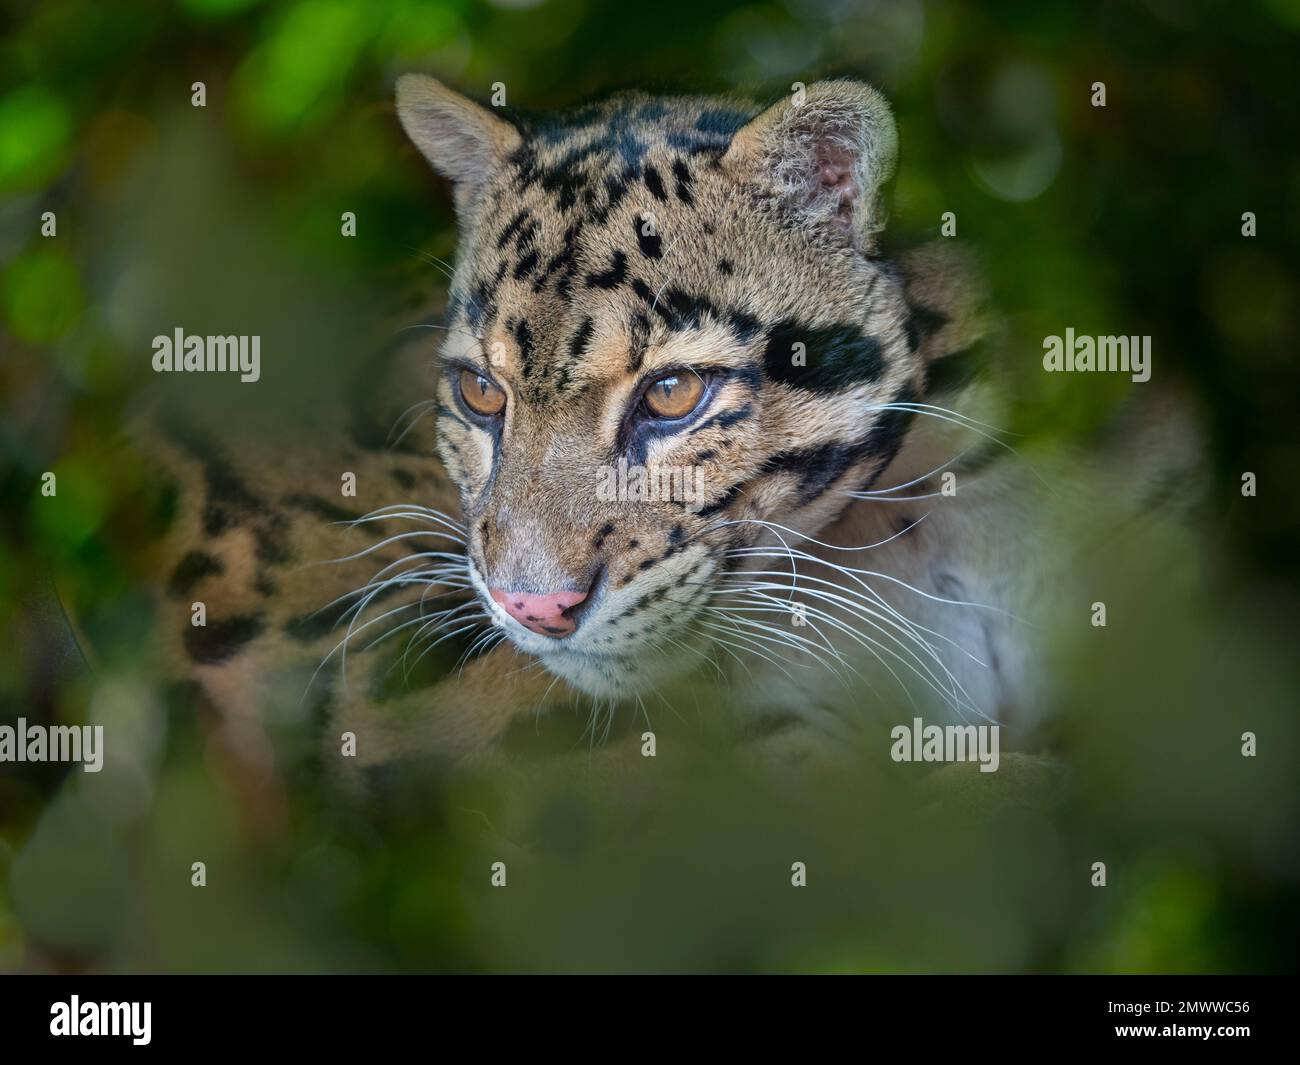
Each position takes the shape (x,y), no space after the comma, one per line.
(645,283)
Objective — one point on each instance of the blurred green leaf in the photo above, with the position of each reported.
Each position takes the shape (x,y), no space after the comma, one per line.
(35,130)
(42,294)
(297,75)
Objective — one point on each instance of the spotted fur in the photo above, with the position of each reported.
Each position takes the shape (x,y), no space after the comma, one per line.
(600,249)
(606,246)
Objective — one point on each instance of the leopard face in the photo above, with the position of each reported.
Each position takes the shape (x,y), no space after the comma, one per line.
(669,337)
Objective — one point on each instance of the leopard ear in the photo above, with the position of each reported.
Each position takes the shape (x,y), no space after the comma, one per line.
(822,153)
(461,139)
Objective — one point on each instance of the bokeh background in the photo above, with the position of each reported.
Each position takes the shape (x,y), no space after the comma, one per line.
(1123,219)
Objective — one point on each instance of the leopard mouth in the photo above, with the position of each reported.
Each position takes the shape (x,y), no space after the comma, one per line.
(642,667)
(609,674)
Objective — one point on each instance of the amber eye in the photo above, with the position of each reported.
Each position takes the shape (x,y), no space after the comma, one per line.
(480,394)
(675,395)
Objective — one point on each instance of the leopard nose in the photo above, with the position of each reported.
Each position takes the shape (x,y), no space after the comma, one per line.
(546,615)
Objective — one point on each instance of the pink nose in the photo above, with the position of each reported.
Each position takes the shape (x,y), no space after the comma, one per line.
(542,614)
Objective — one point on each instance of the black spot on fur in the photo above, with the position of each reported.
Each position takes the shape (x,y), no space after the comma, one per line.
(524,338)
(643,291)
(562,264)
(638,339)
(723,501)
(229,503)
(631,610)
(219,640)
(682,310)
(655,184)
(835,356)
(746,325)
(216,520)
(682,173)
(612,277)
(321,508)
(678,309)
(725,419)
(650,243)
(693,142)
(615,190)
(224,486)
(513,227)
(953,372)
(526,265)
(912,333)
(725,267)
(886,436)
(483,303)
(562,179)
(818,468)
(270,540)
(525,237)
(578,345)
(721,122)
(190,570)
(923,322)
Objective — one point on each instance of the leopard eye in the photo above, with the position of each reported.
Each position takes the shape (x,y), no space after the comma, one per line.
(480,394)
(674,395)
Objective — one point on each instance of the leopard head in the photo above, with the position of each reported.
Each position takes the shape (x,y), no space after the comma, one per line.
(670,337)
